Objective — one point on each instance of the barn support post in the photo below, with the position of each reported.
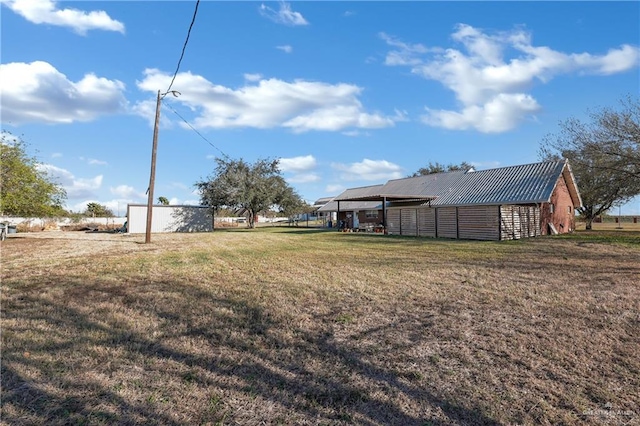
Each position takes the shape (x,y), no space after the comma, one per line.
(499,223)
(338,216)
(384,214)
(435,220)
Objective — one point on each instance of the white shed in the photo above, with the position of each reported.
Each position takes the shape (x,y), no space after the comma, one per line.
(169,219)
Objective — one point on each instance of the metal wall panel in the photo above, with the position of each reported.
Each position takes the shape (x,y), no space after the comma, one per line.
(393,221)
(447,221)
(479,223)
(169,219)
(408,222)
(427,222)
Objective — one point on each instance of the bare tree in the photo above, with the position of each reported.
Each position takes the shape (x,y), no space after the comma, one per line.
(604,154)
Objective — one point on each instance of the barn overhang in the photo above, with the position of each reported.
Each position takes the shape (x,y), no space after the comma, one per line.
(385,198)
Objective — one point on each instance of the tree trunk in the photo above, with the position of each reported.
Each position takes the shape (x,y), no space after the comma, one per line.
(588,224)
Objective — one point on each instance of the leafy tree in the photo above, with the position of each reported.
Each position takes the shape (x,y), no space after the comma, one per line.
(436,167)
(236,184)
(163,200)
(604,154)
(25,187)
(97,210)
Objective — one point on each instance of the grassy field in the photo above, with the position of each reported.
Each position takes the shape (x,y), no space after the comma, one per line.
(297,326)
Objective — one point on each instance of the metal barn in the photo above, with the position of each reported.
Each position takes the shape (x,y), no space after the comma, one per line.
(180,218)
(496,204)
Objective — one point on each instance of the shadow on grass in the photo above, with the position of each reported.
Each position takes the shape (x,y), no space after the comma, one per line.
(164,352)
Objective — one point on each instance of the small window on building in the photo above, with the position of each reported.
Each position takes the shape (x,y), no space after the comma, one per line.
(371,214)
(569,209)
(550,208)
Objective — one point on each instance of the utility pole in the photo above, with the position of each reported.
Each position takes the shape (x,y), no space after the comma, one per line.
(152,178)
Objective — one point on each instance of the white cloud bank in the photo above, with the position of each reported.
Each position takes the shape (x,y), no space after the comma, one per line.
(269,103)
(76,188)
(372,170)
(301,169)
(37,92)
(127,192)
(47,12)
(490,87)
(284,15)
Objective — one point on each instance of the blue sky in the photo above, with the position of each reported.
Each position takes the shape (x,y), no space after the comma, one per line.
(344,93)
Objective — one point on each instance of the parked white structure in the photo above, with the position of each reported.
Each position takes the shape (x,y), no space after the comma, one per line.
(180,218)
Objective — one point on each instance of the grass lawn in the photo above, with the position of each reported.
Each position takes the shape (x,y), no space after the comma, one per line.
(296,326)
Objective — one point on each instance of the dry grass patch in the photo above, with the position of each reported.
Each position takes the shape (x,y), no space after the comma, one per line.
(294,326)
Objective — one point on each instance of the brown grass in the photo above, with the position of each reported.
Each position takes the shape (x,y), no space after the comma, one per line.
(295,326)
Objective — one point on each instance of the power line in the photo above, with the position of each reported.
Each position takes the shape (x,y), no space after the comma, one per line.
(184,47)
(195,130)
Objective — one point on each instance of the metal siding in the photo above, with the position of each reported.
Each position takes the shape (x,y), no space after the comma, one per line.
(170,219)
(427,222)
(447,222)
(479,223)
(408,220)
(393,221)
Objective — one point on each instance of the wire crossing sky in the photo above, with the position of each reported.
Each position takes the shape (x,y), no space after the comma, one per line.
(345,94)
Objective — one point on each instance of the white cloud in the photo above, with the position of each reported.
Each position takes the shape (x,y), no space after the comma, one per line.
(285,48)
(253,77)
(93,161)
(497,115)
(406,54)
(301,168)
(284,16)
(335,189)
(304,178)
(298,164)
(37,92)
(299,105)
(374,170)
(56,155)
(355,133)
(127,192)
(76,187)
(491,85)
(46,12)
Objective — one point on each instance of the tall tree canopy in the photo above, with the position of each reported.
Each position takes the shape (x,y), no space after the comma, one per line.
(163,200)
(604,153)
(436,167)
(25,187)
(256,187)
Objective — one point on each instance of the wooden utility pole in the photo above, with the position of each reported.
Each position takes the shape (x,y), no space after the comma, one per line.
(152,178)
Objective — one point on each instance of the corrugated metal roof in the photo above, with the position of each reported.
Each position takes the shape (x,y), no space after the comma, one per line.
(433,185)
(351,206)
(322,201)
(524,184)
(359,192)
